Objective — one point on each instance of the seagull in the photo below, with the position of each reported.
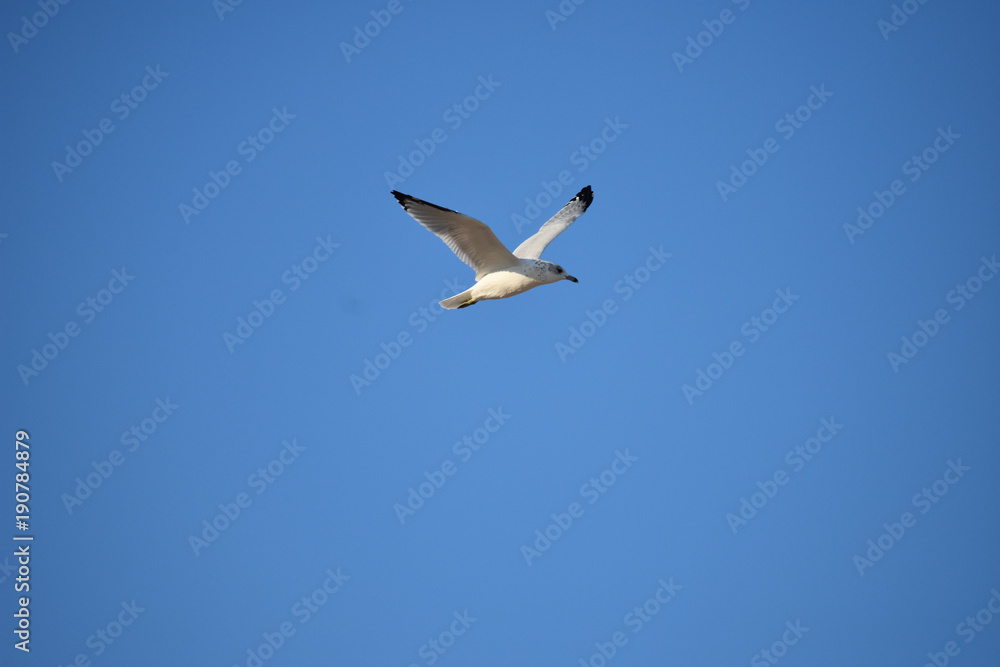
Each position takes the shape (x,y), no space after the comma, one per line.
(500,273)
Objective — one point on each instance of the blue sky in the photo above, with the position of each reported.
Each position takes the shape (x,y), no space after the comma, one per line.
(762,429)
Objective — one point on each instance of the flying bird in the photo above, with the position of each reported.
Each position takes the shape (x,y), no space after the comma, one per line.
(500,273)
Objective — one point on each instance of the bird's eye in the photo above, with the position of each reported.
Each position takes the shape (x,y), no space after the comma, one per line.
(558,269)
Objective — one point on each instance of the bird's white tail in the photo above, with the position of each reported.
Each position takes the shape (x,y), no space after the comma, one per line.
(459,300)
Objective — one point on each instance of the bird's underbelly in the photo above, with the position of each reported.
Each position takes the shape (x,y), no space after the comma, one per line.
(501,284)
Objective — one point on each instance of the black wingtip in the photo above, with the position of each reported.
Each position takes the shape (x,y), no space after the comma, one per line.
(404,199)
(586,196)
(401,198)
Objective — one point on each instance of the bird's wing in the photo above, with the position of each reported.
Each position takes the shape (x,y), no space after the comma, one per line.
(532,247)
(473,242)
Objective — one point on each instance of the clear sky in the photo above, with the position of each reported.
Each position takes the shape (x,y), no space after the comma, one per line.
(762,429)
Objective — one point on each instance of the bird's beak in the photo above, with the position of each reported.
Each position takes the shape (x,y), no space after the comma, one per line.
(569,277)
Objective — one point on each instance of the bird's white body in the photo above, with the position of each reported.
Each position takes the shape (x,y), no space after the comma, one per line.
(499,272)
(514,280)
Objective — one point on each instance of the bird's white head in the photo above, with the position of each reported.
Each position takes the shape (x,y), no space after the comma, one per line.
(552,272)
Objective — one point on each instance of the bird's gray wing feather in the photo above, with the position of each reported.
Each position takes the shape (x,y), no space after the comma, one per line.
(532,247)
(473,242)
